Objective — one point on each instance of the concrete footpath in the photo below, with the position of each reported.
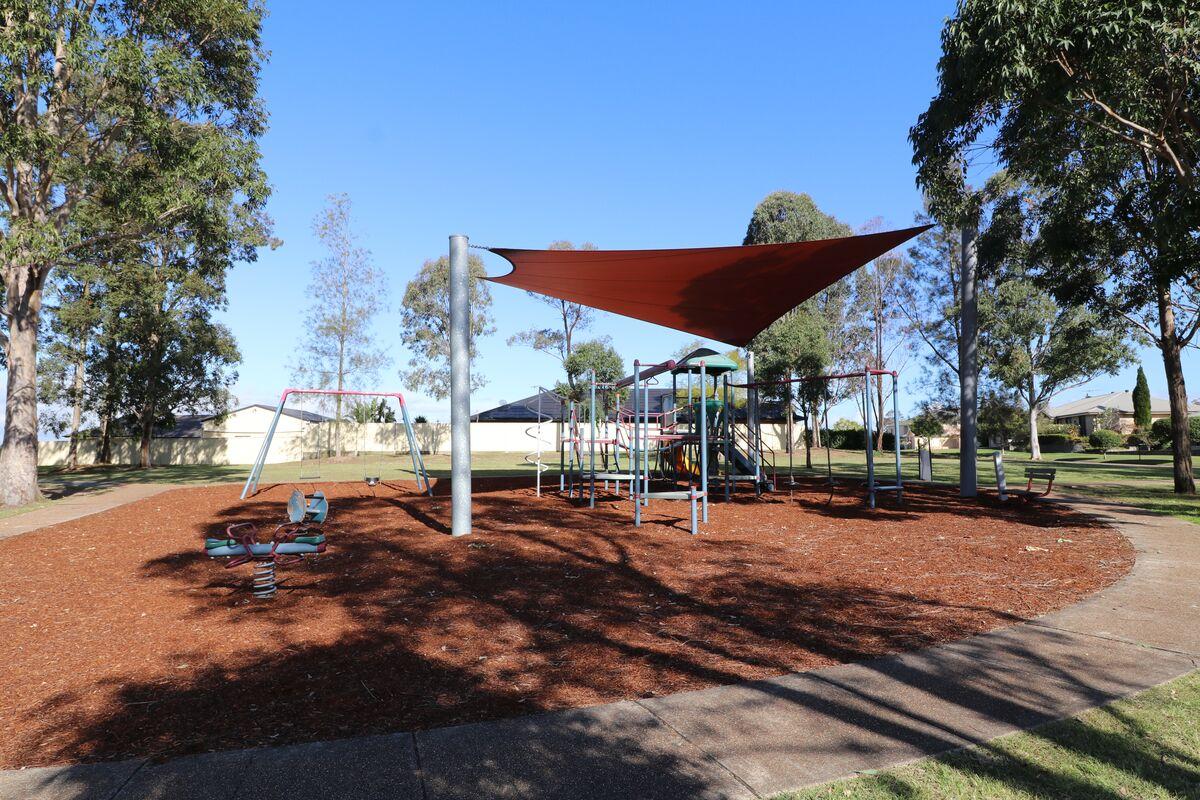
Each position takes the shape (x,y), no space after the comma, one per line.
(80,504)
(740,741)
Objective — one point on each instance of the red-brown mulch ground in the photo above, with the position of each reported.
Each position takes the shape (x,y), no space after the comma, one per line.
(121,639)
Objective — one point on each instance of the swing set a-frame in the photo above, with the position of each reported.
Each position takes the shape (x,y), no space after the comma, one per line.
(371,476)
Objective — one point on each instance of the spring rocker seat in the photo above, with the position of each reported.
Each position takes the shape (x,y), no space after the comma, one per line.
(290,542)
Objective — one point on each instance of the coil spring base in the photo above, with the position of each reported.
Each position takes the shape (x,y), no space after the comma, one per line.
(264,579)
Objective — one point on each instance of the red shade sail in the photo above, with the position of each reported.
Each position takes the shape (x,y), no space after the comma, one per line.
(729,294)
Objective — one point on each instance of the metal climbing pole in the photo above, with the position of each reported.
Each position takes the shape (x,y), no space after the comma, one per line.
(870,438)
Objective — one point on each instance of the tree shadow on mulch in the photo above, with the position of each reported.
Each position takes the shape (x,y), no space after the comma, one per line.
(531,614)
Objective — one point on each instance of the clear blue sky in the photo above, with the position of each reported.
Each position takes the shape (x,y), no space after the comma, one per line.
(625,124)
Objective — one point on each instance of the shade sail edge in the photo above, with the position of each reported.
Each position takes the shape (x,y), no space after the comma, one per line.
(728,294)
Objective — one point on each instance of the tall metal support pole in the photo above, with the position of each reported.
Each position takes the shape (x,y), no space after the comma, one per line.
(870,438)
(968,363)
(752,418)
(703,442)
(460,388)
(635,483)
(896,435)
(592,448)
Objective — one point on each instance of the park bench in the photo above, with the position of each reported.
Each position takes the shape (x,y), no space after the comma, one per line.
(1038,474)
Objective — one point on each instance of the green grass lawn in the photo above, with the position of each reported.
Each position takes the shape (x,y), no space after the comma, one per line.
(1143,481)
(57,483)
(1147,746)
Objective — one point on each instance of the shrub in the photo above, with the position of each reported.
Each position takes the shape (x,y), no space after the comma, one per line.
(1136,440)
(1160,431)
(1103,439)
(1058,429)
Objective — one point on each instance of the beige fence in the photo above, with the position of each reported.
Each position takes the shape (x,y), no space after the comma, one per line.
(220,448)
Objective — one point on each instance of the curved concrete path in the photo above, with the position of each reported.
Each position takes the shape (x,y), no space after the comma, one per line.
(740,741)
(81,504)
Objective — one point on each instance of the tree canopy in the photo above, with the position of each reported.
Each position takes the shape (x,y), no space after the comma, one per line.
(1093,103)
(425,325)
(118,122)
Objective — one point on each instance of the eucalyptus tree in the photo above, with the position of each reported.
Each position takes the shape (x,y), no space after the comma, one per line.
(425,325)
(75,297)
(558,341)
(929,301)
(1095,103)
(883,336)
(339,350)
(107,112)
(1031,343)
(783,217)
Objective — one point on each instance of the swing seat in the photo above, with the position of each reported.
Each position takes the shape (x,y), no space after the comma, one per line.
(1038,474)
(371,480)
(307,508)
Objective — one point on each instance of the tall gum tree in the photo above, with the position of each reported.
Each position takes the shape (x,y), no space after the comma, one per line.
(783,217)
(1031,344)
(339,350)
(1096,103)
(101,106)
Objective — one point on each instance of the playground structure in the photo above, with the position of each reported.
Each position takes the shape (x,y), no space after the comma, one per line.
(694,442)
(314,449)
(302,535)
(872,384)
(727,294)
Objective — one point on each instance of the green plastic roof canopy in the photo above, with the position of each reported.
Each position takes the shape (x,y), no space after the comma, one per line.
(729,294)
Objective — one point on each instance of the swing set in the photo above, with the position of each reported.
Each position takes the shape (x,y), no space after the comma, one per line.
(317,442)
(872,381)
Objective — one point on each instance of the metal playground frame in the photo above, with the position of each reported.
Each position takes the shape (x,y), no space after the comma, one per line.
(695,445)
(414,451)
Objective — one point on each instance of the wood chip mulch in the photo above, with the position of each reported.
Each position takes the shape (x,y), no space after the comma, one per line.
(122,639)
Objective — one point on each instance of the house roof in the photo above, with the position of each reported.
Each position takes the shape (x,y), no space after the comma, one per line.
(551,407)
(192,425)
(1121,401)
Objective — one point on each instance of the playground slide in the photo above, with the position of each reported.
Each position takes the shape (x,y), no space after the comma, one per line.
(742,463)
(684,465)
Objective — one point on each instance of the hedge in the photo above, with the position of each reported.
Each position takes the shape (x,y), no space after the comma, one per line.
(1056,443)
(853,439)
(1105,440)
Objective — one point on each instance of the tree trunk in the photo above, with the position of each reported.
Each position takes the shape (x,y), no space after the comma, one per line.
(104,454)
(1035,447)
(76,416)
(147,433)
(816,427)
(1181,447)
(18,454)
(968,365)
